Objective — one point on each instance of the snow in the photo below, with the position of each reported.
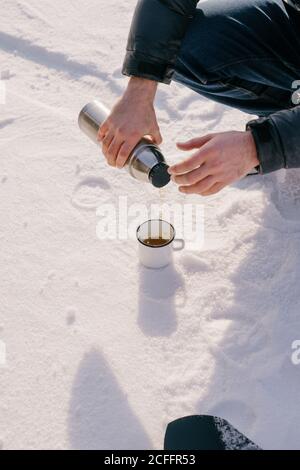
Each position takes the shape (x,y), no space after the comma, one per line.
(102,353)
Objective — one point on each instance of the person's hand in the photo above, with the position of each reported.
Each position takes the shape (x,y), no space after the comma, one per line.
(132,118)
(220,160)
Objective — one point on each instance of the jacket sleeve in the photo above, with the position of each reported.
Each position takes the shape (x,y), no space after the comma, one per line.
(155,36)
(277,140)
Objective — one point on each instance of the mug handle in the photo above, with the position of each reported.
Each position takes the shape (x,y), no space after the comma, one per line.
(181,243)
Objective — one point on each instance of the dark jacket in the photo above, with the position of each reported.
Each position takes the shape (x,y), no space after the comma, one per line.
(154,41)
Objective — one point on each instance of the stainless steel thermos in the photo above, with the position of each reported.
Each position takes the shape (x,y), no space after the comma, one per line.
(146,162)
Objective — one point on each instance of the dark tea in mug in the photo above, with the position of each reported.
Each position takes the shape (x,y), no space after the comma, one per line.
(156,241)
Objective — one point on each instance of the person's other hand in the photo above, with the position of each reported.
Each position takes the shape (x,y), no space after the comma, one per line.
(220,160)
(132,118)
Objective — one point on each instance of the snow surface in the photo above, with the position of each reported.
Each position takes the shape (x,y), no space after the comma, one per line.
(99,355)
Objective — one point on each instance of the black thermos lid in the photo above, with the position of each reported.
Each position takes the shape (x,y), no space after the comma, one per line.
(159,175)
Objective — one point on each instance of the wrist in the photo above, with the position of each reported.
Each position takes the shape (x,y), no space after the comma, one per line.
(253,154)
(142,86)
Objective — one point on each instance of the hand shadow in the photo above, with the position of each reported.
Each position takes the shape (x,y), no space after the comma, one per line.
(157,309)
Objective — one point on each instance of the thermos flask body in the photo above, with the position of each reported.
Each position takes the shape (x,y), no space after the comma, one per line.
(91,117)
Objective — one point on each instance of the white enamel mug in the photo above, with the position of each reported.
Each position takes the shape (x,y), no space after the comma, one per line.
(156,255)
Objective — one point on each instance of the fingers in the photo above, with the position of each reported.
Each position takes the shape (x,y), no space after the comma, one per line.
(123,155)
(190,163)
(118,142)
(200,187)
(107,140)
(112,144)
(214,189)
(194,143)
(157,137)
(113,150)
(192,177)
(119,152)
(103,130)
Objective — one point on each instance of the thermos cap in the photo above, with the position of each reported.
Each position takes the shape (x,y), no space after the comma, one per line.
(159,175)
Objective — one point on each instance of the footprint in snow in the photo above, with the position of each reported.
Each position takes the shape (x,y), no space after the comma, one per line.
(90,193)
